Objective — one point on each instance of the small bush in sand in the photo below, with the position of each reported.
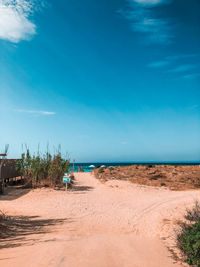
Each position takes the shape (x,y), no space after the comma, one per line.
(100,170)
(188,239)
(193,215)
(150,166)
(3,227)
(2,216)
(46,170)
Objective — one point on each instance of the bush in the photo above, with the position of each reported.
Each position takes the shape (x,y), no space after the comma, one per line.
(193,215)
(189,243)
(47,169)
(2,216)
(189,238)
(100,170)
(150,166)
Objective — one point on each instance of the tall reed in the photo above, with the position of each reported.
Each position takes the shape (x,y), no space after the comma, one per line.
(46,169)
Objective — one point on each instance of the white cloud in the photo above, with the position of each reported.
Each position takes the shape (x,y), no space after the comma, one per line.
(15,24)
(143,18)
(150,2)
(36,112)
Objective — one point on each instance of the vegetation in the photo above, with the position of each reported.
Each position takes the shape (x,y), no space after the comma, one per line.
(189,237)
(150,166)
(44,169)
(101,170)
(163,184)
(2,217)
(3,227)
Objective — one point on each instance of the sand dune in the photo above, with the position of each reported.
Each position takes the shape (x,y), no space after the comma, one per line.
(116,224)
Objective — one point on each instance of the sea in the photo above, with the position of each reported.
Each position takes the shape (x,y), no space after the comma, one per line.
(89,166)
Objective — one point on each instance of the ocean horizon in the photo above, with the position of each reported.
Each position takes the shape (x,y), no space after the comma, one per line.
(89,166)
(122,163)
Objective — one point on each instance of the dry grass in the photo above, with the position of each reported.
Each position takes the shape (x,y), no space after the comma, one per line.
(3,225)
(172,177)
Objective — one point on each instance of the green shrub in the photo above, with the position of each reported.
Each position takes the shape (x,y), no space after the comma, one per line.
(188,239)
(189,243)
(48,169)
(100,170)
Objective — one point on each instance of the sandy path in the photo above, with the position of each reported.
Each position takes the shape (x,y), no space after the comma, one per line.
(95,225)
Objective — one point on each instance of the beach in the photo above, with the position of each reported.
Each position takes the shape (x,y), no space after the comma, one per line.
(100,130)
(111,224)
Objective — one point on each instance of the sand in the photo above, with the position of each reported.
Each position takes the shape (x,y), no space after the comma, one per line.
(115,224)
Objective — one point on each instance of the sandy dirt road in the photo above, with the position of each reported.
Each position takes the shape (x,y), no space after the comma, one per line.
(117,224)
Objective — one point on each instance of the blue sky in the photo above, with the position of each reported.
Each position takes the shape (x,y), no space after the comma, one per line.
(114,80)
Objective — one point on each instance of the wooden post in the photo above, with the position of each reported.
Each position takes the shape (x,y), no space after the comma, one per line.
(3,157)
(1,178)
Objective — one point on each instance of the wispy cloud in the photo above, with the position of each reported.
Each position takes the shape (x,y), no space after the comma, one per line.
(158,64)
(124,143)
(183,68)
(147,2)
(193,107)
(182,56)
(36,112)
(15,24)
(191,76)
(144,19)
(150,2)
(185,64)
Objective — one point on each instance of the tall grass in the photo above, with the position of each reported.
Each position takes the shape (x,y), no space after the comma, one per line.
(46,169)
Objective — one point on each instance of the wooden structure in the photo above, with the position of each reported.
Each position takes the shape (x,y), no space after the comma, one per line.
(2,160)
(8,170)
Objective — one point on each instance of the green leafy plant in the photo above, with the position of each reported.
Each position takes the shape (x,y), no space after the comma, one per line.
(188,239)
(43,169)
(101,170)
(189,243)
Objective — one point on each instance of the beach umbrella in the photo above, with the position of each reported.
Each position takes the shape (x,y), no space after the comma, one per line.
(102,166)
(91,166)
